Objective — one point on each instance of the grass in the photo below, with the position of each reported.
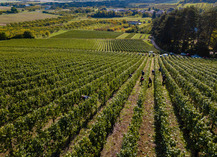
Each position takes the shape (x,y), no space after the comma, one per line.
(57,33)
(148,42)
(140,36)
(204,6)
(130,35)
(21,17)
(88,34)
(4,8)
(123,36)
(145,36)
(137,36)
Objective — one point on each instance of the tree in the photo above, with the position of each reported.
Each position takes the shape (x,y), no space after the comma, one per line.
(154,15)
(14,10)
(202,49)
(145,14)
(209,23)
(215,47)
(214,44)
(28,34)
(3,36)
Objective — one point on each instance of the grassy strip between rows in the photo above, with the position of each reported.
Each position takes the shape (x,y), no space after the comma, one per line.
(129,144)
(130,36)
(122,36)
(92,144)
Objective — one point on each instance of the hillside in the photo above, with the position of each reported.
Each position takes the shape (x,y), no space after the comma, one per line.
(198,1)
(127,1)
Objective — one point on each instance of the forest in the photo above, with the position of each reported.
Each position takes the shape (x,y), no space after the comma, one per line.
(187,30)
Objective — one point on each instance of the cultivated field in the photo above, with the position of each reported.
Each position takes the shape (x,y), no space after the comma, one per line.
(127,45)
(4,8)
(88,34)
(84,97)
(21,17)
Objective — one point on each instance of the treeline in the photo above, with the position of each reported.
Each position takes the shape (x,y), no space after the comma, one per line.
(115,3)
(187,30)
(12,11)
(106,14)
(197,1)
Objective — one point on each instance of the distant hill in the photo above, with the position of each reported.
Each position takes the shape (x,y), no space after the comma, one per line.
(197,1)
(124,1)
(128,1)
(152,1)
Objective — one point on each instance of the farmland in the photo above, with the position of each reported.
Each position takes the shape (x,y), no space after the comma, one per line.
(88,34)
(77,86)
(26,16)
(86,40)
(43,113)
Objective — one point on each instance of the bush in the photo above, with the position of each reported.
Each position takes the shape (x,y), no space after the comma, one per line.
(202,49)
(28,34)
(3,36)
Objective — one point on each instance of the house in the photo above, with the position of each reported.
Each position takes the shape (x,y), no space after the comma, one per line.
(160,12)
(135,22)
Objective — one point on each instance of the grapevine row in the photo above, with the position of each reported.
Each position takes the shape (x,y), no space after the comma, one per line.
(92,145)
(198,132)
(129,143)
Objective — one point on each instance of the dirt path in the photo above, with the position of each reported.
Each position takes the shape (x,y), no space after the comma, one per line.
(155,45)
(146,145)
(114,141)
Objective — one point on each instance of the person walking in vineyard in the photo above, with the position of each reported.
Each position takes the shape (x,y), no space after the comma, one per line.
(149,82)
(85,97)
(141,79)
(153,72)
(164,79)
(143,73)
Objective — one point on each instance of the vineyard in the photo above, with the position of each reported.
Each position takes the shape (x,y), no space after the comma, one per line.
(88,34)
(120,45)
(82,96)
(43,112)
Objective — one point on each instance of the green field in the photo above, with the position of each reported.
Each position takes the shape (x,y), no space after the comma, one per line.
(130,35)
(92,93)
(204,6)
(51,43)
(123,36)
(21,17)
(88,34)
(42,107)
